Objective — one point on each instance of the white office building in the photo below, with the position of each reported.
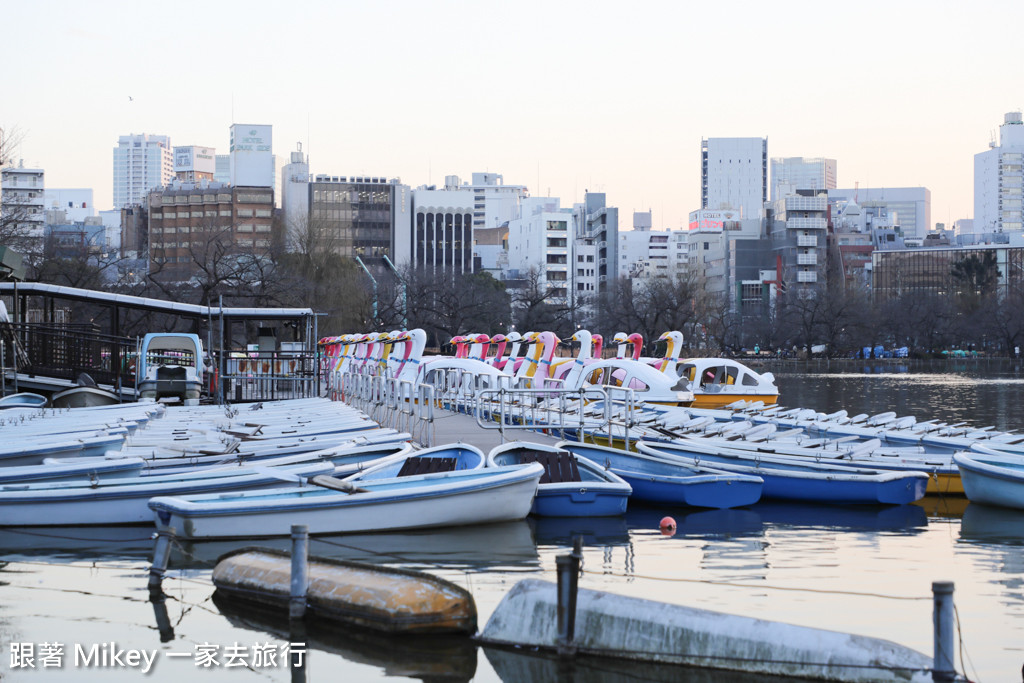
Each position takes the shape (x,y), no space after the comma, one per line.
(540,240)
(910,208)
(295,197)
(998,175)
(251,155)
(141,162)
(193,164)
(76,204)
(441,232)
(734,175)
(790,174)
(22,199)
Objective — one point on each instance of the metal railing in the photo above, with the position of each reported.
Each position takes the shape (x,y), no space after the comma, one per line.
(268,376)
(66,351)
(569,413)
(399,404)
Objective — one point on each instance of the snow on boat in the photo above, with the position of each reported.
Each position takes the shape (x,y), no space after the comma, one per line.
(453,498)
(369,596)
(24,399)
(656,480)
(992,478)
(800,479)
(571,486)
(124,501)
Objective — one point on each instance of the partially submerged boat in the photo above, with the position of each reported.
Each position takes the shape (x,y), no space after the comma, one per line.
(387,599)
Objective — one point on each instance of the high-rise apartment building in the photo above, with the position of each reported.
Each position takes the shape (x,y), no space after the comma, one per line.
(734,174)
(141,163)
(998,176)
(790,174)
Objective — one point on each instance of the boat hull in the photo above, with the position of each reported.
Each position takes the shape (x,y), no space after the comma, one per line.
(424,501)
(580,499)
(667,484)
(380,598)
(809,482)
(993,481)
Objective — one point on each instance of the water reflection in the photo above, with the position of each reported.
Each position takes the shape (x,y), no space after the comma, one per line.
(563,531)
(508,544)
(513,666)
(427,658)
(846,518)
(982,523)
(77,543)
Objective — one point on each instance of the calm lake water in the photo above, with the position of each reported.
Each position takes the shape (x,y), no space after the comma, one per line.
(861,570)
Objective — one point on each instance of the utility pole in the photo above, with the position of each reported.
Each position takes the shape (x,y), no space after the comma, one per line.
(405,292)
(374,281)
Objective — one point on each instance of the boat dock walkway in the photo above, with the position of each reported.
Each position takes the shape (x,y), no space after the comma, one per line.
(450,427)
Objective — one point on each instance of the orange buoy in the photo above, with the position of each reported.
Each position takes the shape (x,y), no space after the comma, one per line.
(667,526)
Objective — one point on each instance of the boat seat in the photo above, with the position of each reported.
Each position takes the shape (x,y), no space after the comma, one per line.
(171,373)
(417,465)
(558,467)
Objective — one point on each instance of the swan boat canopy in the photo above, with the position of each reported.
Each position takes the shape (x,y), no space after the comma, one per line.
(717,382)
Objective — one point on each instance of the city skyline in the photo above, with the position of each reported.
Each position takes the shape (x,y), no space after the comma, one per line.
(563,99)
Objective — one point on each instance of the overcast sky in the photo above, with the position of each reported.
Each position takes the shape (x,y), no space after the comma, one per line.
(559,96)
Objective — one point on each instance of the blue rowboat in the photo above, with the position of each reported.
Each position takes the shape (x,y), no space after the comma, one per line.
(445,458)
(571,486)
(656,479)
(800,478)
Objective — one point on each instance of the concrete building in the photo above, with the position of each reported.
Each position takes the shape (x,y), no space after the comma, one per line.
(194,164)
(541,241)
(222,169)
(185,221)
(141,162)
(734,175)
(295,180)
(910,208)
(251,150)
(999,179)
(494,202)
(789,174)
(441,237)
(897,272)
(76,204)
(359,215)
(22,199)
(799,233)
(596,234)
